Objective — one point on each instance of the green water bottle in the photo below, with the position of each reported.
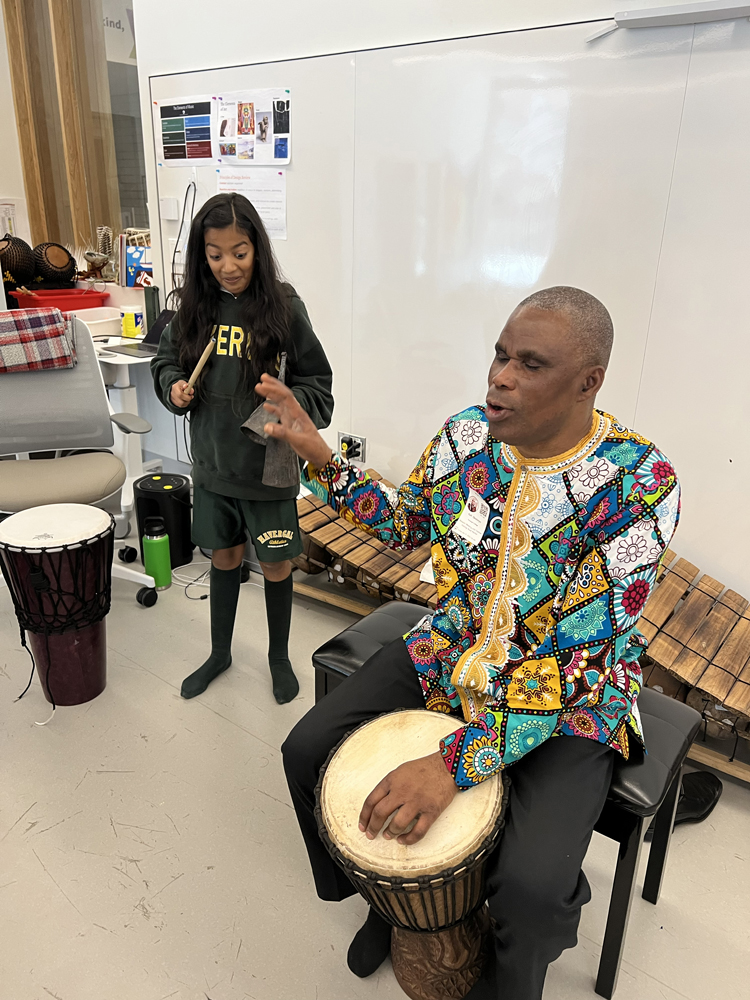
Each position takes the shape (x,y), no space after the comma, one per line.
(156,559)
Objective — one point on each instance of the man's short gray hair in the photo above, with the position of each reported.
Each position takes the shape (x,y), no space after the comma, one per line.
(591,324)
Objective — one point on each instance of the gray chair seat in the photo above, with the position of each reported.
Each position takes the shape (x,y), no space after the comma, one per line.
(74,479)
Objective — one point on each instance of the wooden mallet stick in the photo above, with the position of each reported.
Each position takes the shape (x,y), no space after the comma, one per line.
(201,362)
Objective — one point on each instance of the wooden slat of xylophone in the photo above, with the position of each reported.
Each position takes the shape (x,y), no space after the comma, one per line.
(684,569)
(668,557)
(713,630)
(716,682)
(392,575)
(355,559)
(692,635)
(416,558)
(326,534)
(317,519)
(305,506)
(664,650)
(688,665)
(344,543)
(682,625)
(729,662)
(735,649)
(665,597)
(376,566)
(406,586)
(426,593)
(341,561)
(734,601)
(739,697)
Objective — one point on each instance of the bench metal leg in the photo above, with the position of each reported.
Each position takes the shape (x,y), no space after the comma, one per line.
(321,684)
(619,905)
(660,841)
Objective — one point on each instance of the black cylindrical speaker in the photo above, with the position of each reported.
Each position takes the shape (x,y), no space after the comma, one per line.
(166,496)
(16,260)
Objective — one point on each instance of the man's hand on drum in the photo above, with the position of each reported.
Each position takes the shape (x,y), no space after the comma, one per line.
(417,792)
(295,427)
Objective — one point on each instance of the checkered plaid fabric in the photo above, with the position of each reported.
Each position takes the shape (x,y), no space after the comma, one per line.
(35,339)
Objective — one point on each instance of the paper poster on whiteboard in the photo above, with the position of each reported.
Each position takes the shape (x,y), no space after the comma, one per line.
(265,187)
(254,127)
(185,132)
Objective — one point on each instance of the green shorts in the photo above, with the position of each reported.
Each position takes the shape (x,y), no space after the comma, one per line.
(221,522)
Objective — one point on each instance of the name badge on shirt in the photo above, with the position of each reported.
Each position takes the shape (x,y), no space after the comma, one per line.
(472,523)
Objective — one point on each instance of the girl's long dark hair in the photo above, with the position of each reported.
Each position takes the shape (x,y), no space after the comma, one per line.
(265,306)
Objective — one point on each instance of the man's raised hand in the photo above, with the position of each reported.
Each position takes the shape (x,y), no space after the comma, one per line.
(295,426)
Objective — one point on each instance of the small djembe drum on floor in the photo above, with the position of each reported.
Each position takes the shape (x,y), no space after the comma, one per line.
(57,562)
(432,892)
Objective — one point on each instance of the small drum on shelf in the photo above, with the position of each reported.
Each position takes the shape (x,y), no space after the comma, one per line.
(432,892)
(57,562)
(16,260)
(54,263)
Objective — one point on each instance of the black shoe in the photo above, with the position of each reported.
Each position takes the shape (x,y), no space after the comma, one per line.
(370,947)
(701,790)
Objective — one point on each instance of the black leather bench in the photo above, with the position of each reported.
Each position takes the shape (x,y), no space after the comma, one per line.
(638,793)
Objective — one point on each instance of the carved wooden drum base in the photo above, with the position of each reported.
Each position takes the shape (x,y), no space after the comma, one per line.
(441,965)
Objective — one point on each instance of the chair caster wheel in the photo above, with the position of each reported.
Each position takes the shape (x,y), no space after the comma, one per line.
(147,597)
(244,573)
(127,554)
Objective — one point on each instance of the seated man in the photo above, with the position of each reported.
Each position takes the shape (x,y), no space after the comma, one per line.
(547,520)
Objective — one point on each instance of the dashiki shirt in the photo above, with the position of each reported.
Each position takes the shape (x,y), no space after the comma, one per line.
(534,634)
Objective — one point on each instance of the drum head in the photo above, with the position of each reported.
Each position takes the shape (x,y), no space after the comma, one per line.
(53,525)
(364,759)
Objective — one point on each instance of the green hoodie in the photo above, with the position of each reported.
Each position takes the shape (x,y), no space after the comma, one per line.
(224,460)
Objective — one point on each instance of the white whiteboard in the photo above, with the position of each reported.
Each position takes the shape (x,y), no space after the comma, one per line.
(433,186)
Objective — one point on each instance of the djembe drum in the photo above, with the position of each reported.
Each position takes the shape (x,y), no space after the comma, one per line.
(57,562)
(432,892)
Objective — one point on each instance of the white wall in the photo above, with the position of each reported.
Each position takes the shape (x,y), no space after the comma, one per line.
(689,379)
(11,174)
(175,36)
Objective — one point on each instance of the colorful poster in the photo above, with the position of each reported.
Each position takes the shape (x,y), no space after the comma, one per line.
(254,127)
(185,131)
(247,127)
(265,187)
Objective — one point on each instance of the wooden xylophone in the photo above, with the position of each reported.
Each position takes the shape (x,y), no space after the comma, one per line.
(698,630)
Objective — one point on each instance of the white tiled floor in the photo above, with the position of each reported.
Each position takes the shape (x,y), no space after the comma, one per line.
(148,849)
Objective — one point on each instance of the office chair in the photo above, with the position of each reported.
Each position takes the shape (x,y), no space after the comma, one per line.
(66,411)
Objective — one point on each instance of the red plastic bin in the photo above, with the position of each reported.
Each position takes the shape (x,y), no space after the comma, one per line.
(64,299)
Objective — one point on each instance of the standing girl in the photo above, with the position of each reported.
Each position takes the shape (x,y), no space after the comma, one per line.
(232,291)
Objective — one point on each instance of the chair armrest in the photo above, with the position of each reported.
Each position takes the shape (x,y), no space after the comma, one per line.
(130,423)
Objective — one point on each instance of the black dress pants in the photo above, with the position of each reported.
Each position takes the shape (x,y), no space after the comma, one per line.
(536,886)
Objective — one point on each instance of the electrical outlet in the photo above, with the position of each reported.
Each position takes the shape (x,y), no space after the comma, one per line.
(352,446)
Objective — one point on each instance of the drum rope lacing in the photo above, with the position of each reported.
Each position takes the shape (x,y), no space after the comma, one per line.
(59,608)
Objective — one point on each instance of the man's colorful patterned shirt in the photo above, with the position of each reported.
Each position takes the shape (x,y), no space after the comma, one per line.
(534,634)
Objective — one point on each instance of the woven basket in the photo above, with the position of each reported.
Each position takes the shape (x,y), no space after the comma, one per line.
(54,262)
(16,260)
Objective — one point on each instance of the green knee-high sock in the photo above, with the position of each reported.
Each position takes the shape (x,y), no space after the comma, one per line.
(225,591)
(279,615)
